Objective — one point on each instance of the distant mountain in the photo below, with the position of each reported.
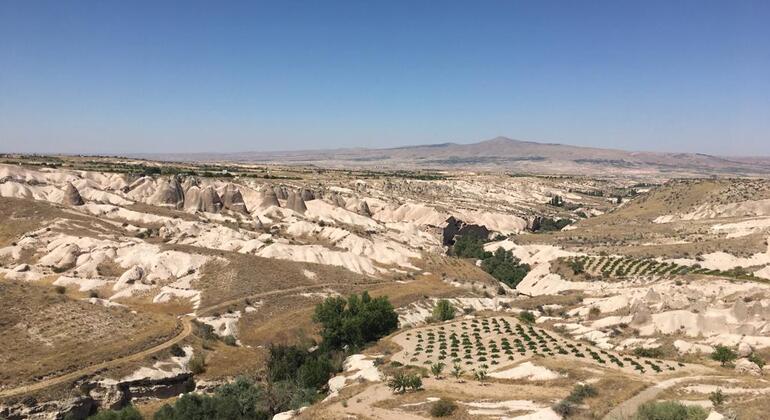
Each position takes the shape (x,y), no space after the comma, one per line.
(506,154)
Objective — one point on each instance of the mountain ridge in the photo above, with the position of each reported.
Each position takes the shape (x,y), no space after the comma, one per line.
(501,153)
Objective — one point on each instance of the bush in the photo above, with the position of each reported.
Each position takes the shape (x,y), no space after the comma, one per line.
(653,353)
(60,289)
(527,317)
(723,354)
(581,392)
(126,413)
(229,340)
(717,397)
(355,321)
(670,410)
(442,408)
(564,408)
(443,311)
(204,331)
(402,382)
(757,360)
(197,364)
(176,351)
(436,369)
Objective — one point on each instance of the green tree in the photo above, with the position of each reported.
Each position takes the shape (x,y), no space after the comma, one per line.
(355,321)
(723,354)
(503,266)
(443,311)
(470,246)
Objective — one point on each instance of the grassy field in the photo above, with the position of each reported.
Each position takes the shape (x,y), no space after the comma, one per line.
(44,333)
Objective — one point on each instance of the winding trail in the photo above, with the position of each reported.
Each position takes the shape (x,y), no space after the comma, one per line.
(186,330)
(186,322)
(627,408)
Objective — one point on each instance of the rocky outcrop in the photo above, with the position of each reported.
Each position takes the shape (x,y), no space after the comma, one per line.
(533,223)
(281,192)
(233,200)
(337,200)
(130,276)
(72,196)
(296,203)
(640,314)
(192,202)
(105,395)
(210,201)
(744,349)
(307,194)
(269,198)
(746,366)
(363,209)
(168,193)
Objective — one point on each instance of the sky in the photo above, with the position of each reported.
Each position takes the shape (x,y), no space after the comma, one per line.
(111,77)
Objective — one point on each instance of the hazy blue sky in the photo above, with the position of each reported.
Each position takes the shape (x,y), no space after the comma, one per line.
(132,76)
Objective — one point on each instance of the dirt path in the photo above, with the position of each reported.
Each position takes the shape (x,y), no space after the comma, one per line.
(627,408)
(186,331)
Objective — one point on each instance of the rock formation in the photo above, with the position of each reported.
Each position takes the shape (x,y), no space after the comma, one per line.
(363,209)
(233,200)
(72,196)
(269,198)
(168,193)
(296,203)
(130,276)
(281,193)
(337,200)
(307,194)
(192,202)
(210,201)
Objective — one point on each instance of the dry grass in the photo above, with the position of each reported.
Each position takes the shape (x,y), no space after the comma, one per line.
(43,333)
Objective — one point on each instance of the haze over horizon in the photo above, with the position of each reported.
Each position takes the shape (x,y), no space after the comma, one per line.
(112,78)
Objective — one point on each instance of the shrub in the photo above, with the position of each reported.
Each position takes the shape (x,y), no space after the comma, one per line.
(670,410)
(653,353)
(442,408)
(527,317)
(723,354)
(126,413)
(717,397)
(60,289)
(581,392)
(402,382)
(564,408)
(457,371)
(757,360)
(176,351)
(436,369)
(204,331)
(229,340)
(443,311)
(197,364)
